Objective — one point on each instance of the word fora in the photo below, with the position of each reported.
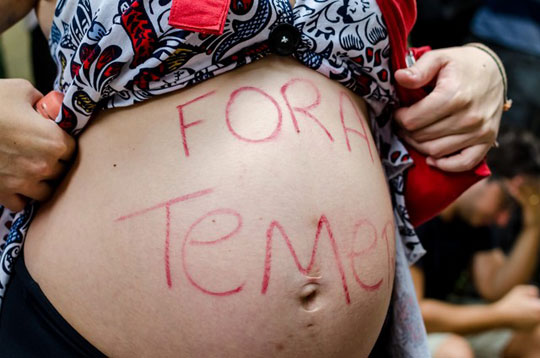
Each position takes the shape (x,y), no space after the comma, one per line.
(274,229)
(306,110)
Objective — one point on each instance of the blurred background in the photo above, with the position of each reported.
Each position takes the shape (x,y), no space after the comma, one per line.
(24,53)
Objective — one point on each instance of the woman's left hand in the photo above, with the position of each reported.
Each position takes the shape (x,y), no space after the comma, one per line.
(457,123)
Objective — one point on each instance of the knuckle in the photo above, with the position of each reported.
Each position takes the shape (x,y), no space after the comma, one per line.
(58,147)
(469,163)
(41,168)
(486,133)
(22,84)
(472,120)
(461,98)
(408,123)
(432,149)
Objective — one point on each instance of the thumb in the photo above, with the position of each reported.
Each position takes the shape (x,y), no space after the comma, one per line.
(422,72)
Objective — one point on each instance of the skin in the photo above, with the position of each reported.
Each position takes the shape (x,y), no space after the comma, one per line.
(269,193)
(33,150)
(453,125)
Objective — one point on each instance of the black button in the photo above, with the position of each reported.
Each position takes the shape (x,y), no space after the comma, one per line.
(283,39)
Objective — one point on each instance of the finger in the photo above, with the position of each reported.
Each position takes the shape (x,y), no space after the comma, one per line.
(39,191)
(58,170)
(30,93)
(443,146)
(439,104)
(465,160)
(454,124)
(69,147)
(62,145)
(14,202)
(422,72)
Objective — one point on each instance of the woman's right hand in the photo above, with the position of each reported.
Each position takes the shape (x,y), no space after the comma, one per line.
(33,151)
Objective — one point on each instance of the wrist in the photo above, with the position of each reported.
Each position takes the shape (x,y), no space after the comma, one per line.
(498,315)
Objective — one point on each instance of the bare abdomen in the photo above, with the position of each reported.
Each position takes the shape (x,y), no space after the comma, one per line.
(245,217)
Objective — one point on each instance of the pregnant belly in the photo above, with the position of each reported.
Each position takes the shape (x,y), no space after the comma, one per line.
(245,217)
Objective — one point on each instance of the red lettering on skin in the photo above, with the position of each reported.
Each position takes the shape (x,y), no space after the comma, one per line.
(304,110)
(183,125)
(232,100)
(390,258)
(187,240)
(342,97)
(167,245)
(355,254)
(268,257)
(167,205)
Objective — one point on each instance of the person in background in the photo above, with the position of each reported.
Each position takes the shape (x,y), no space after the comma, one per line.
(475,300)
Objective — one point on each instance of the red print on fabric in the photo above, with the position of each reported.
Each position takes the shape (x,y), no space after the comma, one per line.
(140,30)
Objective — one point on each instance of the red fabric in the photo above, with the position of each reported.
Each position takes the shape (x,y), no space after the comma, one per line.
(427,190)
(205,16)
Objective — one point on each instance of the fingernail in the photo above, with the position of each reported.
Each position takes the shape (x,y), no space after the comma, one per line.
(430,161)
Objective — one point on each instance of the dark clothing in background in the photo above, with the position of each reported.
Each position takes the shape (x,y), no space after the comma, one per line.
(443,23)
(450,248)
(42,62)
(521,8)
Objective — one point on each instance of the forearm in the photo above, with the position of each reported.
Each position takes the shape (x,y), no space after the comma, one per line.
(12,11)
(519,265)
(461,319)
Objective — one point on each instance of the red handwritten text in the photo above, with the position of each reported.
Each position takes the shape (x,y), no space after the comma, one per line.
(167,205)
(354,254)
(304,110)
(193,242)
(268,258)
(349,113)
(363,228)
(183,125)
(363,134)
(231,103)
